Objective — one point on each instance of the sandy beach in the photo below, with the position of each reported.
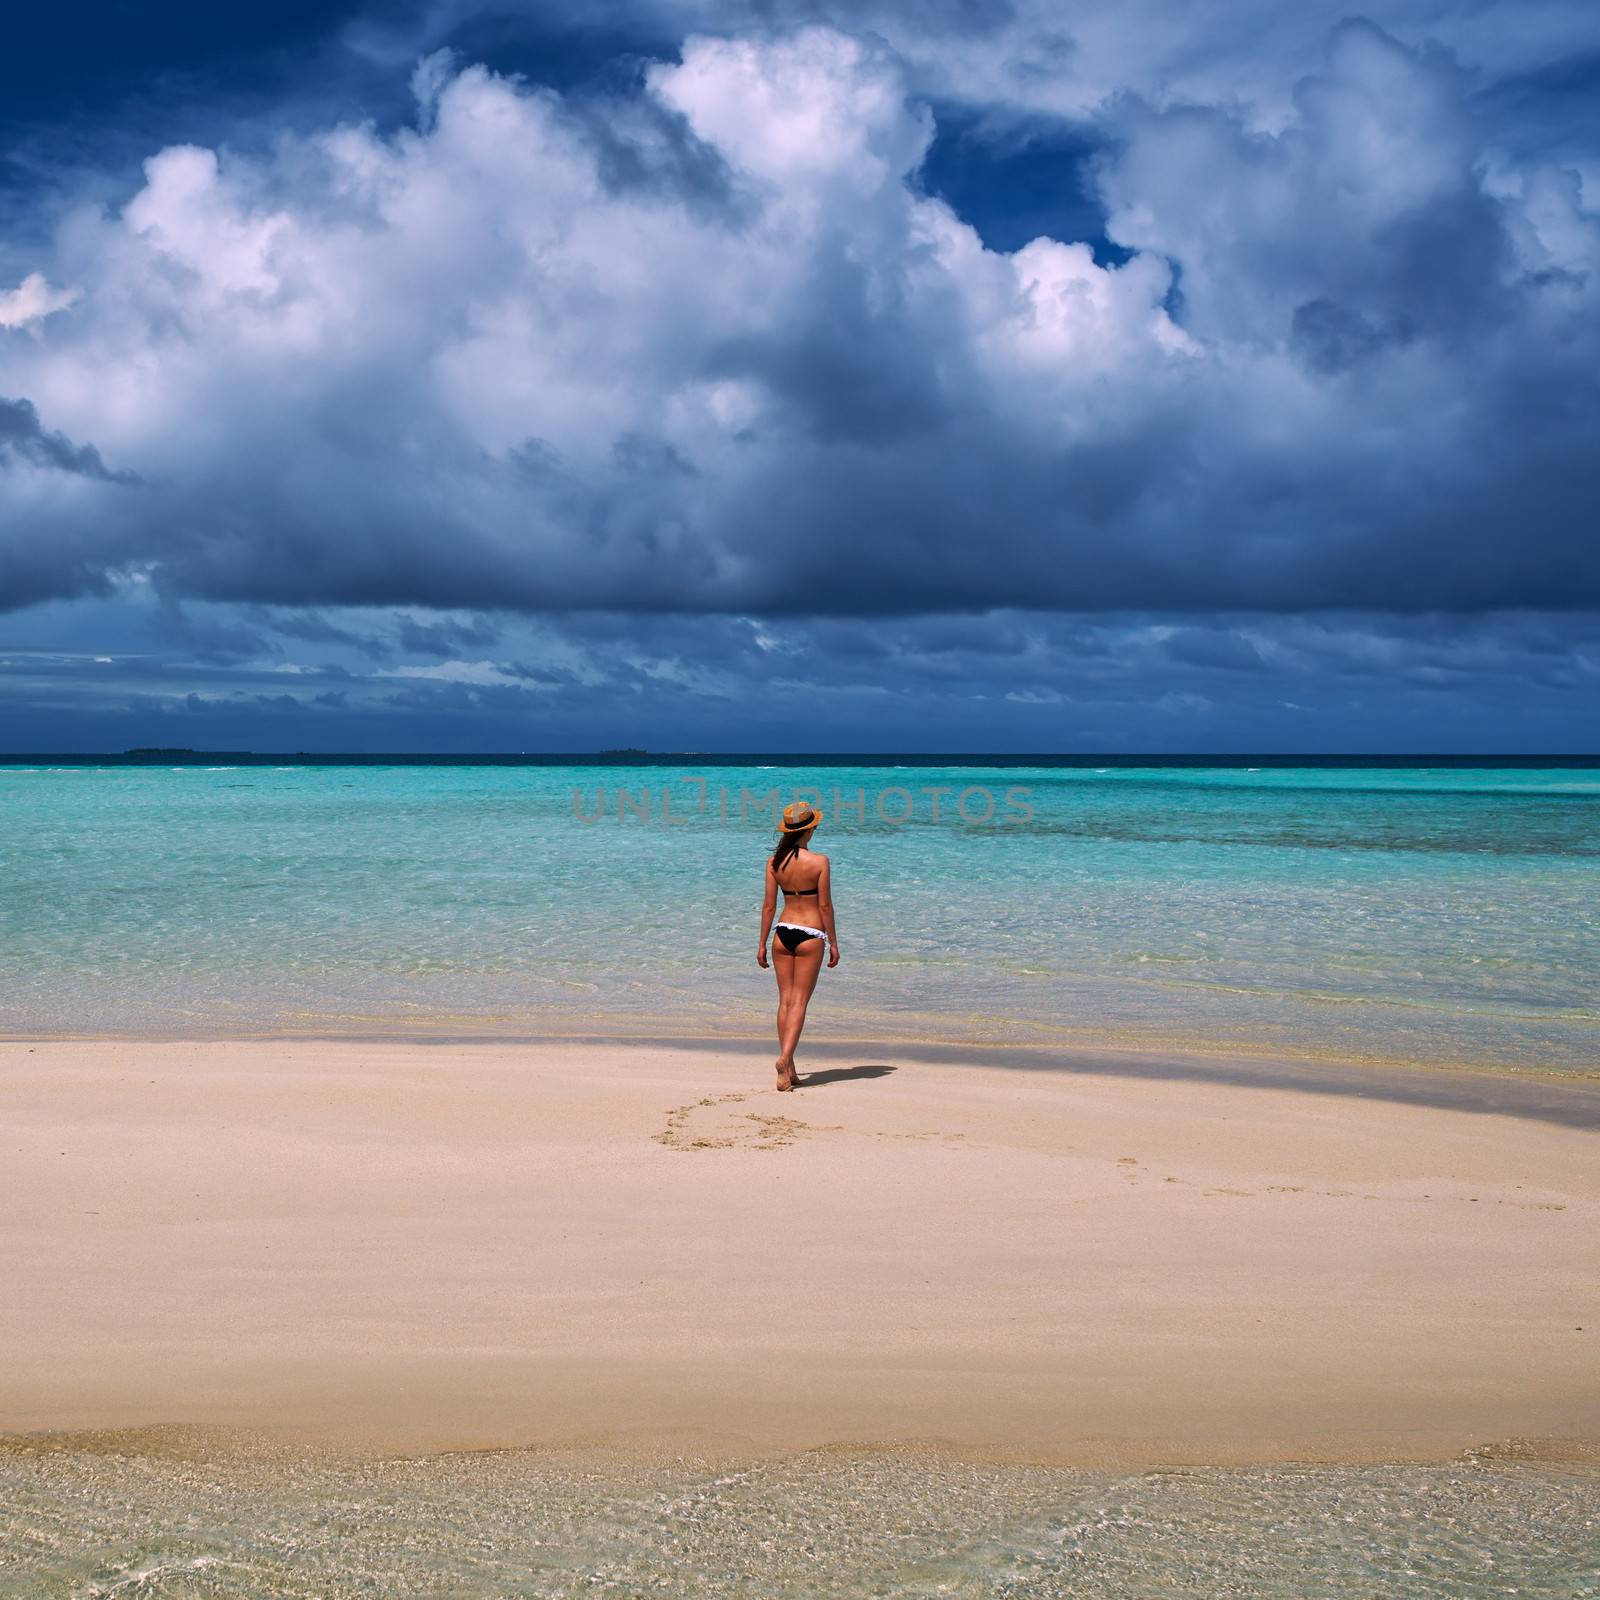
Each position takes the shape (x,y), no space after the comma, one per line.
(432,1246)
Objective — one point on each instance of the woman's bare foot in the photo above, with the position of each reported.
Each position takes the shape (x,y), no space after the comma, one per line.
(786,1076)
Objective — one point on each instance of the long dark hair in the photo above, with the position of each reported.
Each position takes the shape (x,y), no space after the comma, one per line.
(789,845)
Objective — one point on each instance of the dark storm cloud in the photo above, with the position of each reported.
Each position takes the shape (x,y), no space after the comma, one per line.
(211,638)
(446,637)
(981,366)
(314,628)
(1011,681)
(60,506)
(23,437)
(674,355)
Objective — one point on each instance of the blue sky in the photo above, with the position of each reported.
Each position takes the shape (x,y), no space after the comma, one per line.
(956,376)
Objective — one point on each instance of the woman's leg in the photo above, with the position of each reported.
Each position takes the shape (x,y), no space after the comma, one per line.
(804,965)
(783,971)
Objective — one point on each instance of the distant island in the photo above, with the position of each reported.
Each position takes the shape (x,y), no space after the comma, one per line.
(629,751)
(168,751)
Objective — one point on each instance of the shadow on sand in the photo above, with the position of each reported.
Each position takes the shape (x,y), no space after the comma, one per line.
(815,1080)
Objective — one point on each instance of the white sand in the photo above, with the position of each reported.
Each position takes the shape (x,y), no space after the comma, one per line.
(429,1246)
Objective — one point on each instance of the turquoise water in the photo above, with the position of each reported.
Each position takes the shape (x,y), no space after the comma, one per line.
(1435,915)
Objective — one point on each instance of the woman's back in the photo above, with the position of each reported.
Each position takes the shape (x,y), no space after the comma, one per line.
(801,874)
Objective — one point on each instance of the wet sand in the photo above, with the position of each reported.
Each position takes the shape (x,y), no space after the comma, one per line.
(434,1246)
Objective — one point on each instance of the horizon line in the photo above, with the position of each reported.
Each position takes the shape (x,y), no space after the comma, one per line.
(158,754)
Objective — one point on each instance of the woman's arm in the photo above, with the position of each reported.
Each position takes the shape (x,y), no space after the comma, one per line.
(769,904)
(825,906)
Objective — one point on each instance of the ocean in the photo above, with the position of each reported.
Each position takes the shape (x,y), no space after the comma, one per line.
(81,1521)
(1382,915)
(1436,914)
(1431,914)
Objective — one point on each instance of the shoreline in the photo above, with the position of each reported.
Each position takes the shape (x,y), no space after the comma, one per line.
(1502,1089)
(439,1247)
(618,1452)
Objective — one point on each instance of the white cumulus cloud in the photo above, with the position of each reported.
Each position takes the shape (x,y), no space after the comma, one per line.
(726,353)
(32,299)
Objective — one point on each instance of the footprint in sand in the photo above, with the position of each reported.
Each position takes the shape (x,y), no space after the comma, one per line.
(1351,1194)
(718,1122)
(715,1123)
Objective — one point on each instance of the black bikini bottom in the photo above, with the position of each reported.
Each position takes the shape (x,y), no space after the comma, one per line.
(793,938)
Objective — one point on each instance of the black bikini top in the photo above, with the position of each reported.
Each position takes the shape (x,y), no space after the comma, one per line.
(794,894)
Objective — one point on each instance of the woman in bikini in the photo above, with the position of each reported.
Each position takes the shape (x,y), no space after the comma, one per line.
(804,931)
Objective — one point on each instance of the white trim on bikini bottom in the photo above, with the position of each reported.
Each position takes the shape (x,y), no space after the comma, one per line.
(800,927)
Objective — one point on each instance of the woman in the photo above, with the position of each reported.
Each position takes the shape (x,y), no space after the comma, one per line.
(805,931)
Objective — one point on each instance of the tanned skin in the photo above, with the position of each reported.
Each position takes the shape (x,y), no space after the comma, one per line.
(809,901)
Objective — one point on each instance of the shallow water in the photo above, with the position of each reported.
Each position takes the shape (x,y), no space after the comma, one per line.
(1434,915)
(104,1523)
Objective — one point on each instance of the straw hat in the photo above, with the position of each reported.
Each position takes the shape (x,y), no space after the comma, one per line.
(797,818)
